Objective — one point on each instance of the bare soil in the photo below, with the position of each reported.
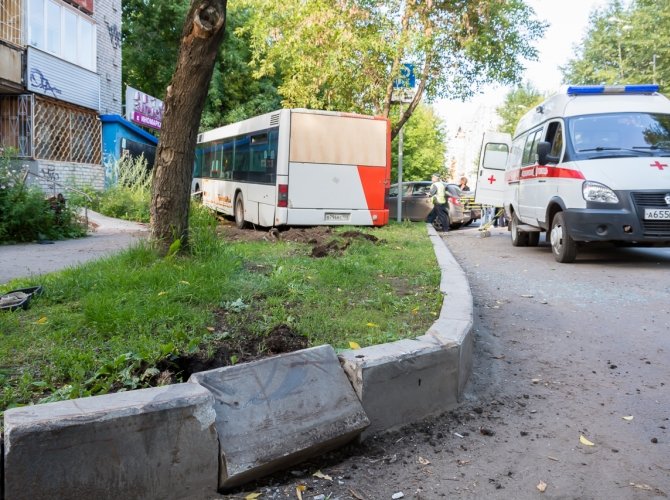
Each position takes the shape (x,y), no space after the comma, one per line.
(235,342)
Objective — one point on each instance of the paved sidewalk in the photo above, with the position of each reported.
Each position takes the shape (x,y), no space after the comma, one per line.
(106,236)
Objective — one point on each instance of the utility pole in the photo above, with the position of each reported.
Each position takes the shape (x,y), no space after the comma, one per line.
(401,134)
(403,92)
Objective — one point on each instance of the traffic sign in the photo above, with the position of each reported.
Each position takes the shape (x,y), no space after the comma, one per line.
(406,78)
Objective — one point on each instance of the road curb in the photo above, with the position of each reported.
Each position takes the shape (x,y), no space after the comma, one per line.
(405,381)
(396,383)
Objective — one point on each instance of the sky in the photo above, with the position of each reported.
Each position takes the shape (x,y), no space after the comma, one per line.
(568,20)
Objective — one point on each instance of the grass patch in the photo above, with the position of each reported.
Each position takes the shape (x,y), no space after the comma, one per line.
(134,320)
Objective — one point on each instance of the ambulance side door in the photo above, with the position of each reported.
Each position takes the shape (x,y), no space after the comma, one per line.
(493,156)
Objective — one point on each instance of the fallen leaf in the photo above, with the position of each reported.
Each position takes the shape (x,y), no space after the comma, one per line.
(585,441)
(354,345)
(161,293)
(424,461)
(462,462)
(536,380)
(415,310)
(629,418)
(357,496)
(210,328)
(644,487)
(184,282)
(252,496)
(42,320)
(542,486)
(502,356)
(395,496)
(372,325)
(552,458)
(321,475)
(527,296)
(299,489)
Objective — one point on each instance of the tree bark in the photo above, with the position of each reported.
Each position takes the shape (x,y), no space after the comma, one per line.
(185,99)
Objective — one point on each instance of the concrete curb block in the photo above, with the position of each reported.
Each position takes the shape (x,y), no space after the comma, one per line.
(408,380)
(279,411)
(148,443)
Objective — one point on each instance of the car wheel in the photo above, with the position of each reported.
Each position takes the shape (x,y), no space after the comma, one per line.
(533,239)
(563,246)
(519,238)
(239,212)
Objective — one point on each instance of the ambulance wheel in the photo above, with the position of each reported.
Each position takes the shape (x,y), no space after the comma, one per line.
(533,239)
(563,246)
(239,212)
(519,238)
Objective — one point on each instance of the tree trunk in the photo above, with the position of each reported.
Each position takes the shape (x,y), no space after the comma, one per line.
(184,102)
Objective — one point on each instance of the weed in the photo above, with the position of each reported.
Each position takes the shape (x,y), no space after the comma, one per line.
(26,214)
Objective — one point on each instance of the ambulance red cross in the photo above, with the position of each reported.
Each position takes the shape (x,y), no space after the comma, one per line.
(589,164)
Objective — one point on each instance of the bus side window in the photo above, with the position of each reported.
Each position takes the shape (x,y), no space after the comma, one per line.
(204,157)
(241,159)
(197,167)
(227,160)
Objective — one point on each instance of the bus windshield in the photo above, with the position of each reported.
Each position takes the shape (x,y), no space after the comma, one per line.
(619,134)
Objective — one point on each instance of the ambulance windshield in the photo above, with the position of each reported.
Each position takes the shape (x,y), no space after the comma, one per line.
(619,134)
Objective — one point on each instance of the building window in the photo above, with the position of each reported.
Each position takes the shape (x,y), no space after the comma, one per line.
(57,28)
(66,133)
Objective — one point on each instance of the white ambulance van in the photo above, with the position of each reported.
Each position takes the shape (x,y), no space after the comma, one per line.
(591,164)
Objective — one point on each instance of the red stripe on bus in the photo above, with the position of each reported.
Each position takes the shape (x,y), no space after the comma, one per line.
(373,180)
(542,172)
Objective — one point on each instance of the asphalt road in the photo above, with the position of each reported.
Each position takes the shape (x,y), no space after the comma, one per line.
(563,352)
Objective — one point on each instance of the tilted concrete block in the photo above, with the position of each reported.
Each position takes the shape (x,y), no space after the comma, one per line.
(157,443)
(404,381)
(275,412)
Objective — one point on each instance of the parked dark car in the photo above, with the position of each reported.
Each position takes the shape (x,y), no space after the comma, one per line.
(417,204)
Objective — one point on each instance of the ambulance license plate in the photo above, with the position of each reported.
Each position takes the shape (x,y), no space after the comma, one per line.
(657,213)
(337,217)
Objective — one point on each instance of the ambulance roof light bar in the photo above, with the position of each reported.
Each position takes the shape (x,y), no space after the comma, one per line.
(611,89)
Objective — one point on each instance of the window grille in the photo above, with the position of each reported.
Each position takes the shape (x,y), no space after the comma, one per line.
(16,123)
(66,133)
(10,21)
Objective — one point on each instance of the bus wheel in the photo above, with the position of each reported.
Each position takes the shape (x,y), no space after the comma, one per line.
(519,238)
(239,212)
(563,247)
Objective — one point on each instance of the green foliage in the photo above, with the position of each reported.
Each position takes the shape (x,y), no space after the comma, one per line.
(517,103)
(25,212)
(129,198)
(107,325)
(151,38)
(424,146)
(341,55)
(624,45)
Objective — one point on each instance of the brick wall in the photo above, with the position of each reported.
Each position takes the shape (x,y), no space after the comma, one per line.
(54,176)
(107,15)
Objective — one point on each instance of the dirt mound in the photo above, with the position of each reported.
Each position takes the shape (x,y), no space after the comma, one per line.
(322,238)
(232,348)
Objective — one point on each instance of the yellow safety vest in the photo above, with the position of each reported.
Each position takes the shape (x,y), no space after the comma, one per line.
(440,195)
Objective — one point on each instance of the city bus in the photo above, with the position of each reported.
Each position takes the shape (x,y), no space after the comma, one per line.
(297,167)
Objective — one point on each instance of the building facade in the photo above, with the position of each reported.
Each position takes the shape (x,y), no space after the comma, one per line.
(60,69)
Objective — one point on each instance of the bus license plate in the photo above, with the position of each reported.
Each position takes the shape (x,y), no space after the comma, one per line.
(657,213)
(337,217)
